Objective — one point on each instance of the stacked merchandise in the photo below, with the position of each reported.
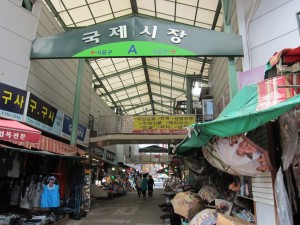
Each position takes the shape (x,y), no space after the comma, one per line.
(86,195)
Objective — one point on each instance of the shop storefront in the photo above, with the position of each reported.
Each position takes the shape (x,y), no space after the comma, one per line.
(255,142)
(40,171)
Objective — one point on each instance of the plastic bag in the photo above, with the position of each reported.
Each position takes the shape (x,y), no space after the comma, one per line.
(289,136)
(208,193)
(284,210)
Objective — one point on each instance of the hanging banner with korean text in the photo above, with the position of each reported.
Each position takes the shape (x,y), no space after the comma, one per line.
(135,37)
(12,102)
(162,124)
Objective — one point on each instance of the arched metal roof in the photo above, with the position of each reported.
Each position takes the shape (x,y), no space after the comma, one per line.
(146,85)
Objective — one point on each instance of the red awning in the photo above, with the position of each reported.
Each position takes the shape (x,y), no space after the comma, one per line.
(288,56)
(54,146)
(11,130)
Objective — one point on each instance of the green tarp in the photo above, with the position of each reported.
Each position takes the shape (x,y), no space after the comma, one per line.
(238,117)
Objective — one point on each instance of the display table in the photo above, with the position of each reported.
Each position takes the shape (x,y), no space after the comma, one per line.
(98,191)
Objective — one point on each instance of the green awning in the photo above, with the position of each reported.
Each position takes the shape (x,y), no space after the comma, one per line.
(239,116)
(193,142)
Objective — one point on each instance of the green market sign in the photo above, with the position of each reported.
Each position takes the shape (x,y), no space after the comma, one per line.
(136,37)
(133,48)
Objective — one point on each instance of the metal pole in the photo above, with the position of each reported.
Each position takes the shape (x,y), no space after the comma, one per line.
(76,108)
(228,11)
(189,99)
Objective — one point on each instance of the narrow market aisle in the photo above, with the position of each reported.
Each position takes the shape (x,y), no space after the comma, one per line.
(129,209)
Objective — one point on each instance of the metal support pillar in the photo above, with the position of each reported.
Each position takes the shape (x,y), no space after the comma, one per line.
(228,10)
(189,99)
(76,108)
(233,88)
(28,5)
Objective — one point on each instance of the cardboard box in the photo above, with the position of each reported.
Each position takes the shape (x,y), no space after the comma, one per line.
(229,220)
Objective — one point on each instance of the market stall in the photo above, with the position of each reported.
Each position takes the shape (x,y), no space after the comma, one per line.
(34,183)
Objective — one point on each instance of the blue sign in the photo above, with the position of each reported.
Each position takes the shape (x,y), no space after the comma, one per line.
(82,132)
(67,126)
(12,102)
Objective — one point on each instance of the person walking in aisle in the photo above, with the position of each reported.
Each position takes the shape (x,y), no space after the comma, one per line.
(150,186)
(139,184)
(144,186)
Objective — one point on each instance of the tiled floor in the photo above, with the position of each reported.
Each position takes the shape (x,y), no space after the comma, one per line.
(129,210)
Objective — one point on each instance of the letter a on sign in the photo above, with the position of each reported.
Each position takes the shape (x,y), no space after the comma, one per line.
(132,49)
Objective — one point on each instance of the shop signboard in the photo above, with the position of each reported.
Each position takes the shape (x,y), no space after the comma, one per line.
(162,124)
(83,133)
(12,102)
(97,151)
(110,156)
(43,116)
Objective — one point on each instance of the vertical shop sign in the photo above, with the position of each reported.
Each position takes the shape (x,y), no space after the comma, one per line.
(83,133)
(12,102)
(42,115)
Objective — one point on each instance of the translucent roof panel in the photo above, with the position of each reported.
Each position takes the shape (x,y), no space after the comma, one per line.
(142,85)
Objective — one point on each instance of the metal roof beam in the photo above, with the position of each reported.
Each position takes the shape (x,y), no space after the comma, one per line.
(176,74)
(163,105)
(100,82)
(163,111)
(56,15)
(125,88)
(134,6)
(148,83)
(228,11)
(213,27)
(139,106)
(166,86)
(167,71)
(96,86)
(198,59)
(148,67)
(163,96)
(144,112)
(181,109)
(121,72)
(133,97)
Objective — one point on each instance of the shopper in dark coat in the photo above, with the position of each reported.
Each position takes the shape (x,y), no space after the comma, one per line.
(144,186)
(150,186)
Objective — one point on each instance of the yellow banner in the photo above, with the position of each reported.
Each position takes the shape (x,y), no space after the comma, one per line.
(162,124)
